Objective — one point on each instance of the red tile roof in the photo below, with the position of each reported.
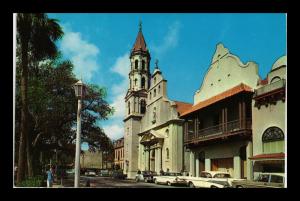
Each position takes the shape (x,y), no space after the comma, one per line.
(140,44)
(268,156)
(182,106)
(226,94)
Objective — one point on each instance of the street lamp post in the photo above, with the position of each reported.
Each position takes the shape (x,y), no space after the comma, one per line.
(79,92)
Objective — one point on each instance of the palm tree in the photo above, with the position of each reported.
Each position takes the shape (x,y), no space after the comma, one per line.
(36,36)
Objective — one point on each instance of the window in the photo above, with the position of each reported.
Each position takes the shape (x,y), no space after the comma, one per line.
(167,150)
(155,80)
(143,82)
(143,65)
(222,175)
(167,132)
(154,93)
(135,81)
(273,140)
(275,79)
(136,64)
(128,107)
(150,95)
(159,89)
(143,106)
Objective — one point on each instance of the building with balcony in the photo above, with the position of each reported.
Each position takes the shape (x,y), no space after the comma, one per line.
(268,120)
(119,153)
(218,127)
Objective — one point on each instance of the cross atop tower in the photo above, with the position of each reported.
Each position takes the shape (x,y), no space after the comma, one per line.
(156,63)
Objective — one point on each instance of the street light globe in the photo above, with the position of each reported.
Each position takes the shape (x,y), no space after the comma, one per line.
(79,88)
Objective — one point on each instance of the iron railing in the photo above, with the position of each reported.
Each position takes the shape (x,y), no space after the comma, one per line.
(219,129)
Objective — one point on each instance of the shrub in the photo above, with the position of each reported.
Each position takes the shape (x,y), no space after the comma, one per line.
(37,181)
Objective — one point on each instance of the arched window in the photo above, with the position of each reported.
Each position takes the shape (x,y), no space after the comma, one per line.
(167,132)
(275,79)
(150,95)
(155,80)
(129,107)
(135,81)
(273,140)
(154,94)
(159,89)
(143,65)
(143,106)
(136,64)
(143,82)
(167,150)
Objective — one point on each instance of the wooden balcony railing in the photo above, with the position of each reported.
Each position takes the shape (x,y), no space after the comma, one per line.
(220,129)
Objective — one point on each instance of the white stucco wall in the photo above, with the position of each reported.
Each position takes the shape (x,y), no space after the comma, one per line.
(226,71)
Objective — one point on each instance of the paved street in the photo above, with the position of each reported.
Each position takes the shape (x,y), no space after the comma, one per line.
(108,182)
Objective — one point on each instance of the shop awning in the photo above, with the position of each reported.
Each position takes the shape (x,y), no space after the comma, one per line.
(274,156)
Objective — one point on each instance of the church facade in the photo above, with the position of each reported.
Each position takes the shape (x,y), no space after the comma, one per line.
(153,138)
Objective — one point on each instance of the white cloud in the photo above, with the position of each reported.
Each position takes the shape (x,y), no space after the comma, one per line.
(115,128)
(82,53)
(114,131)
(170,40)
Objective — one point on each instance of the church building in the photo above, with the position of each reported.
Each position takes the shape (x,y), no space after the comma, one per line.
(153,138)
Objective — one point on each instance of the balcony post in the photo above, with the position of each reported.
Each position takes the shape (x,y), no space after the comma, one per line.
(226,120)
(244,114)
(240,114)
(223,120)
(195,126)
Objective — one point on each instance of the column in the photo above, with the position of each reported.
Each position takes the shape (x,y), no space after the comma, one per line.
(192,163)
(149,157)
(197,167)
(146,159)
(156,160)
(237,167)
(249,153)
(207,164)
(159,164)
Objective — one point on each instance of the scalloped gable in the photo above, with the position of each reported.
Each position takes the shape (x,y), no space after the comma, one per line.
(225,72)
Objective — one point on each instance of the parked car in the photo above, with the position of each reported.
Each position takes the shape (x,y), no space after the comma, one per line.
(118,174)
(104,173)
(193,182)
(220,177)
(90,173)
(169,178)
(264,180)
(148,176)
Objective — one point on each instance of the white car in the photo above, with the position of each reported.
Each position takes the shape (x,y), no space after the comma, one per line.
(197,182)
(169,178)
(219,177)
(90,173)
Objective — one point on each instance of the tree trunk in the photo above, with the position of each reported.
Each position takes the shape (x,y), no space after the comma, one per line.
(24,110)
(29,159)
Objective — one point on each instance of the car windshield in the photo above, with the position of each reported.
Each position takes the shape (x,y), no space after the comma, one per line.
(222,175)
(263,178)
(205,175)
(276,179)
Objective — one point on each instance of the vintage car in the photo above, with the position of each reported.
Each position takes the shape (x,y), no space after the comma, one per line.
(210,179)
(146,176)
(195,182)
(169,178)
(90,173)
(264,180)
(219,177)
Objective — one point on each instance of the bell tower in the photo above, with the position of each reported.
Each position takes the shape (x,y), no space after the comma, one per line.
(136,101)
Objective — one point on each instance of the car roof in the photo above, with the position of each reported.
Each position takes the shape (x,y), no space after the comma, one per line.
(215,172)
(273,173)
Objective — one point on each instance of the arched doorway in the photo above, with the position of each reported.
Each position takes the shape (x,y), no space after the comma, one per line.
(243,157)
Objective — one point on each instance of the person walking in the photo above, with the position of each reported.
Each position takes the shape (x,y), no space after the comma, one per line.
(49,178)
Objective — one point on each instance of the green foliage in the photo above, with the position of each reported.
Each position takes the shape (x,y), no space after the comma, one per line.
(37,181)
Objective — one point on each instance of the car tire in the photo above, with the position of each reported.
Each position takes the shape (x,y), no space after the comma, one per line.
(155,181)
(191,185)
(239,187)
(169,183)
(213,187)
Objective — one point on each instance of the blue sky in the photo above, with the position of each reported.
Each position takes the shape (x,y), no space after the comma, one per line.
(99,46)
